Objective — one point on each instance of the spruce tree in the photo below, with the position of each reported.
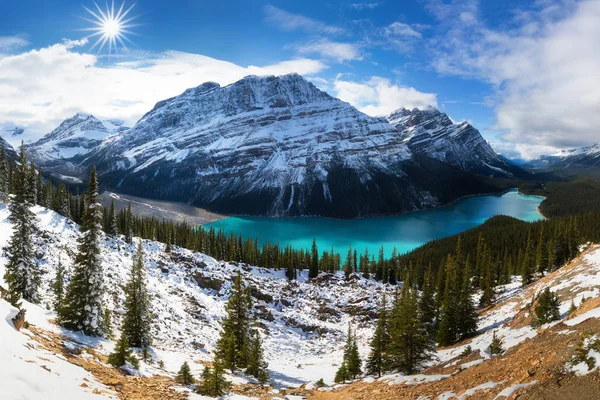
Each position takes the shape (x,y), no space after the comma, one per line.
(353,361)
(4,176)
(112,220)
(528,262)
(122,354)
(59,289)
(496,345)
(128,224)
(427,312)
(348,268)
(410,345)
(488,282)
(376,363)
(467,314)
(257,366)
(184,376)
(341,375)
(449,312)
(22,273)
(213,381)
(547,308)
(232,346)
(313,271)
(138,316)
(541,253)
(83,305)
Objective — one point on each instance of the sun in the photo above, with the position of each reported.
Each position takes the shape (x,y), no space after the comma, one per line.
(111,26)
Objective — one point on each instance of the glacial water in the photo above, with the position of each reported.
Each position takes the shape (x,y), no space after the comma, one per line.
(405,231)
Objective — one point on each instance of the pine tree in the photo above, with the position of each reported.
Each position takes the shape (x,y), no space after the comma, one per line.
(547,308)
(213,381)
(83,305)
(122,354)
(449,312)
(572,308)
(410,346)
(313,271)
(528,267)
(488,282)
(128,224)
(348,268)
(353,361)
(376,363)
(427,307)
(467,314)
(112,220)
(541,257)
(341,375)
(257,366)
(184,376)
(496,345)
(232,346)
(59,289)
(4,176)
(22,273)
(138,316)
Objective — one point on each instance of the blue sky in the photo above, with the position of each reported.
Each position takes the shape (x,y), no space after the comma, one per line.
(491,63)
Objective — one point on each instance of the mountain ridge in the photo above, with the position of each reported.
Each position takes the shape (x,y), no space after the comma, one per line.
(279,146)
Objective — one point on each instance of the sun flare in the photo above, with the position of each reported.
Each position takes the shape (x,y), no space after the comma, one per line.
(110,26)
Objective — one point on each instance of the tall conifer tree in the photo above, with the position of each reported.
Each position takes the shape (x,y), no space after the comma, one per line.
(22,273)
(83,305)
(138,316)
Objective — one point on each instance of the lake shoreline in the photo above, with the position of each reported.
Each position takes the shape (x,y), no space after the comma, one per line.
(224,216)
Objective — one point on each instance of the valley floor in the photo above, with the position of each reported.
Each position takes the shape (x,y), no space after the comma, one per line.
(304,326)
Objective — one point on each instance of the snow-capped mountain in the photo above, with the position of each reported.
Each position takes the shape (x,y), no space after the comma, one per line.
(432,133)
(62,150)
(584,157)
(274,146)
(10,151)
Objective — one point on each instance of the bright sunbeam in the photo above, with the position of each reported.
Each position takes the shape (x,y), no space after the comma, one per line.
(110,26)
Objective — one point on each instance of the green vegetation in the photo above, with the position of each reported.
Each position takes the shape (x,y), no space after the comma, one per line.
(546,309)
(184,376)
(122,354)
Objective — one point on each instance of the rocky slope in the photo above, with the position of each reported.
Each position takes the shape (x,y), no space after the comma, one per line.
(431,133)
(585,157)
(277,146)
(303,324)
(62,151)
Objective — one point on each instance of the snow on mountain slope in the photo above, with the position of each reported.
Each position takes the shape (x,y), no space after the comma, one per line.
(275,146)
(432,133)
(66,146)
(29,371)
(584,157)
(303,324)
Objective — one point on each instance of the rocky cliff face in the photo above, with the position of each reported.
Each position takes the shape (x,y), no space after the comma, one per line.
(584,157)
(277,146)
(62,151)
(272,146)
(431,133)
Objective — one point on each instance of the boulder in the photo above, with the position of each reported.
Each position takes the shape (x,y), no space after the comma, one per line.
(207,282)
(19,320)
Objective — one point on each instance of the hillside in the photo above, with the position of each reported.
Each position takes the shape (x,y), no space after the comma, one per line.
(278,146)
(303,322)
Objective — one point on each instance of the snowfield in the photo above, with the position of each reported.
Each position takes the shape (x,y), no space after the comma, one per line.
(303,324)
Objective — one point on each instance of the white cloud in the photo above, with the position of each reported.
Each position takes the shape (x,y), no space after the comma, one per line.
(10,43)
(333,50)
(291,22)
(378,96)
(40,88)
(545,70)
(365,6)
(401,29)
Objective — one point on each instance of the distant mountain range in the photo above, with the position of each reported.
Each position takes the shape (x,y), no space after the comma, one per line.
(580,158)
(278,146)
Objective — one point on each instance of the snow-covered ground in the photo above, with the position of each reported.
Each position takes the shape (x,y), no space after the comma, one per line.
(303,324)
(28,371)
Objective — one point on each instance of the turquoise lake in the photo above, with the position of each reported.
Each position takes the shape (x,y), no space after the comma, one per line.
(405,231)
